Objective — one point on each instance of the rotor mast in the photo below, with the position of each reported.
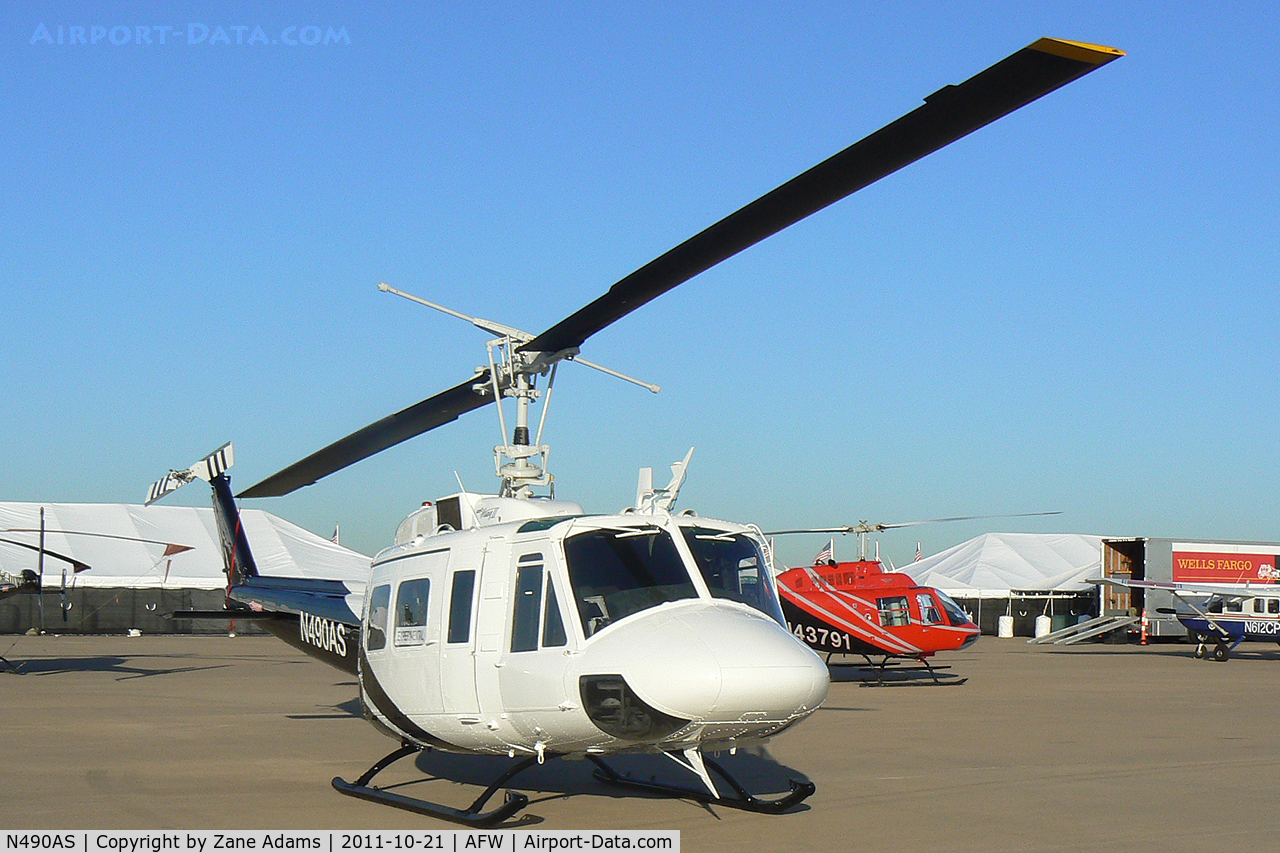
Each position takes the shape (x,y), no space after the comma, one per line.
(521,466)
(513,372)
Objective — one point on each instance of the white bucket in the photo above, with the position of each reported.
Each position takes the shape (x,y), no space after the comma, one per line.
(1004,627)
(1044,625)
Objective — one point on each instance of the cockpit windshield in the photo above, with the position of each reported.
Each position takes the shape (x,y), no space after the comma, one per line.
(955,612)
(734,568)
(615,572)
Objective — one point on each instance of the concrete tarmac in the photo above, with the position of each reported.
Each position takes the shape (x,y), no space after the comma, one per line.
(1115,748)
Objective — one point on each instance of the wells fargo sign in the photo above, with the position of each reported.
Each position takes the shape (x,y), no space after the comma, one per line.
(1202,566)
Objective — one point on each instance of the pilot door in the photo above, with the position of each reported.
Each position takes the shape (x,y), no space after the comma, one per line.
(458,651)
(535,655)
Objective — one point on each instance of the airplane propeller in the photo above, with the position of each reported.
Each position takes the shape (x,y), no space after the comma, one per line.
(947,115)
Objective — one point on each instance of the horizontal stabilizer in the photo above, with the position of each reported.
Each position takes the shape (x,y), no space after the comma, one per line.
(291,597)
(247,615)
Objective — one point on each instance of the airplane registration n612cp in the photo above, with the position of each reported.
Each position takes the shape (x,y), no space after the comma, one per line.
(517,624)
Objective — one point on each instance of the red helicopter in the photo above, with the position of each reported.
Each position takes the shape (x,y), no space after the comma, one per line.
(859,608)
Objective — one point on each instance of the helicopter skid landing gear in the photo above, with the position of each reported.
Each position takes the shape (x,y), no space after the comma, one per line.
(909,677)
(744,800)
(470,816)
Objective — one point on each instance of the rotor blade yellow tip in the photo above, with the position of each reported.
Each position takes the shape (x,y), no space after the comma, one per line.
(1094,54)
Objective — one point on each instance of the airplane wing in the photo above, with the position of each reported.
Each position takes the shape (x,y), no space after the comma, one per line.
(1227,590)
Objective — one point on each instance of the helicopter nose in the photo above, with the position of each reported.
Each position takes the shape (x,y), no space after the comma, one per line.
(715,662)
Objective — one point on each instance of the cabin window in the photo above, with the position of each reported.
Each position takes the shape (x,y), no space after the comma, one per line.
(1259,605)
(929,614)
(1273,605)
(553,634)
(615,572)
(379,604)
(732,566)
(893,611)
(464,584)
(411,612)
(449,513)
(524,617)
(1235,606)
(1215,606)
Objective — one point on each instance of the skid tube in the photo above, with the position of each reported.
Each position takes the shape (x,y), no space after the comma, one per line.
(470,816)
(800,791)
(885,662)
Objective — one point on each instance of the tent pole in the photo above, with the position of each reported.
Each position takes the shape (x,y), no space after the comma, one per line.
(40,569)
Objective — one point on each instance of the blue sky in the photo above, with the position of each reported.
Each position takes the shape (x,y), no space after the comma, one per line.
(1072,309)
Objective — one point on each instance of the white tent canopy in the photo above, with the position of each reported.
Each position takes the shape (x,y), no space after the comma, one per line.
(279,548)
(995,564)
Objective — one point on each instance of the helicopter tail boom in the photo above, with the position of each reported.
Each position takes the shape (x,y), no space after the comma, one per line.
(316,616)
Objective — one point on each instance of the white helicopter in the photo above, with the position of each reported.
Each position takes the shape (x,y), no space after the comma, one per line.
(519,625)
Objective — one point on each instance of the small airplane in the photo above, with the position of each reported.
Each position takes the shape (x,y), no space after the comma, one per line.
(31,581)
(1227,615)
(516,624)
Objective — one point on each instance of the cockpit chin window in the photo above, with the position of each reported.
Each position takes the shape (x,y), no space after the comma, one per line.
(733,568)
(615,572)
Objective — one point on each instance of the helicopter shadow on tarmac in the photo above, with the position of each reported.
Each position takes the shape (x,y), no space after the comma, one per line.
(126,667)
(338,711)
(870,675)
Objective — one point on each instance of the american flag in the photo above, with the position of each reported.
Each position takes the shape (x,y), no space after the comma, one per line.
(918,554)
(336,538)
(827,553)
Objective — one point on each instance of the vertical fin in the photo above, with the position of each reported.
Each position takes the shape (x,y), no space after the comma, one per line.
(237,559)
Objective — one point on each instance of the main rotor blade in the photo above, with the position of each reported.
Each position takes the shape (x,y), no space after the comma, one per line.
(866,527)
(947,115)
(75,564)
(964,518)
(391,430)
(51,531)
